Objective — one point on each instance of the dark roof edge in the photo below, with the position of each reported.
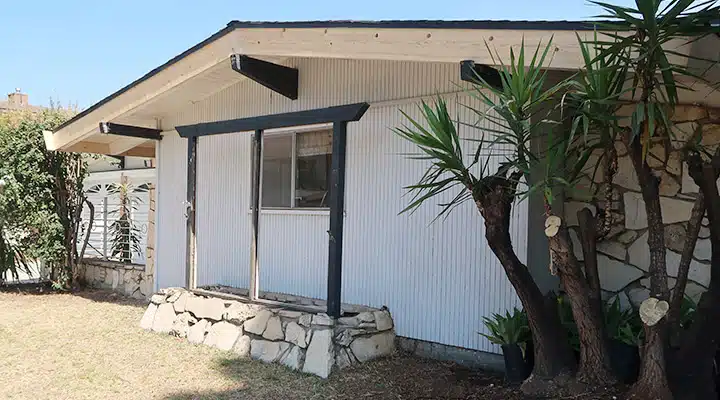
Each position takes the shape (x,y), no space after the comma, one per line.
(426,24)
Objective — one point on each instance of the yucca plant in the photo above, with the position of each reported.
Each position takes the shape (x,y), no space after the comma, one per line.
(518,108)
(646,38)
(125,235)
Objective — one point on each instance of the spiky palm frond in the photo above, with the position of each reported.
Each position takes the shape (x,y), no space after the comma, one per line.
(656,29)
(439,143)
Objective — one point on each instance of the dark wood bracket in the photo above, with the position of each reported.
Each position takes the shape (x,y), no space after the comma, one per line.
(474,73)
(278,78)
(110,128)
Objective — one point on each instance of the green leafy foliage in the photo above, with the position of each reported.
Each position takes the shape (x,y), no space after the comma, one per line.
(509,328)
(621,325)
(38,206)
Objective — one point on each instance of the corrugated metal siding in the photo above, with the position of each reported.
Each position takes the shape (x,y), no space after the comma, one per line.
(294,253)
(171,225)
(223,202)
(438,279)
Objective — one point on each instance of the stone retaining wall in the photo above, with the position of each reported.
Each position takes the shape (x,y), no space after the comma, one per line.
(126,279)
(624,257)
(310,342)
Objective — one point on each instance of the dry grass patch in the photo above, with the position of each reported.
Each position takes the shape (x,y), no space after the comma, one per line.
(89,346)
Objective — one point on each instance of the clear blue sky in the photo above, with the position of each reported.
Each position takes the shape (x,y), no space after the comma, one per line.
(79,51)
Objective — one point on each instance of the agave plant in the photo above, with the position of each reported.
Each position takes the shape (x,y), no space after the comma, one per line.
(508,329)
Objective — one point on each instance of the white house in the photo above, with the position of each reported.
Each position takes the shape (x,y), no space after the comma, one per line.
(323,98)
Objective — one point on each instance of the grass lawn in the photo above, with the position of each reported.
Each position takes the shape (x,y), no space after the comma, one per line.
(88,346)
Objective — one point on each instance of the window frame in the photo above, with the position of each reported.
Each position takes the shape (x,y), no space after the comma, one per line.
(290,131)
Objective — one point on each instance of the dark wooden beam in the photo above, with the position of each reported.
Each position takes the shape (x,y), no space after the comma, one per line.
(191,243)
(254,263)
(349,112)
(110,128)
(278,78)
(337,210)
(471,72)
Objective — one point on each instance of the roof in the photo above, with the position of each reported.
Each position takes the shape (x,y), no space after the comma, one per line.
(389,24)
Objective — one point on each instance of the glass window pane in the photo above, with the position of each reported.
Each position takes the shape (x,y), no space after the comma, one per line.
(277,171)
(313,169)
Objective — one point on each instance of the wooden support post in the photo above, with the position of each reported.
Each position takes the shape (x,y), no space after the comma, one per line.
(337,211)
(190,255)
(254,291)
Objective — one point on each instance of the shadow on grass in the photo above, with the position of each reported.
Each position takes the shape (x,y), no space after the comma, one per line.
(28,288)
(96,295)
(257,380)
(398,377)
(108,296)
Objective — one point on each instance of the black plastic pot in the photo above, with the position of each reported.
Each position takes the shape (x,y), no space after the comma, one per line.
(625,360)
(515,366)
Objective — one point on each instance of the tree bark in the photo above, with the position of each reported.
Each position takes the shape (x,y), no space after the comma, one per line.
(693,230)
(693,377)
(594,369)
(588,240)
(653,382)
(554,361)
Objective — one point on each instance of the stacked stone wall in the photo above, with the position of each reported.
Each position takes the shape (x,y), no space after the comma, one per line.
(310,342)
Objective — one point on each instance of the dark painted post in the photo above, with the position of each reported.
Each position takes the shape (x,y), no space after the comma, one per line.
(190,242)
(254,263)
(337,210)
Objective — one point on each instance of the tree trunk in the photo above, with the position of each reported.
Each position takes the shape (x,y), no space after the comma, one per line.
(653,383)
(595,369)
(554,361)
(693,377)
(693,230)
(588,240)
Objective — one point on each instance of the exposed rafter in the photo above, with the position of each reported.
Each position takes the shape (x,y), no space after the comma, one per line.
(471,72)
(278,78)
(111,128)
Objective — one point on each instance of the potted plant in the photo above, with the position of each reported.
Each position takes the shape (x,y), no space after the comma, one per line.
(512,333)
(624,330)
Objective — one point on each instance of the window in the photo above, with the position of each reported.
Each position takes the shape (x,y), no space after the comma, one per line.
(296,169)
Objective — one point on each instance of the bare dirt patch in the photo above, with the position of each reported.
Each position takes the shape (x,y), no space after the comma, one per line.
(88,346)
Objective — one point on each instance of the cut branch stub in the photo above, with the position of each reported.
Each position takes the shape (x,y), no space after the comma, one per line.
(552,225)
(652,310)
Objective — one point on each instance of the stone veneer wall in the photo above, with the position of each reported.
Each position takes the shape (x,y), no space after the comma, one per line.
(624,257)
(127,279)
(309,342)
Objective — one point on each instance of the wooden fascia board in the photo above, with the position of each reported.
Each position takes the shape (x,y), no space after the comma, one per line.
(174,75)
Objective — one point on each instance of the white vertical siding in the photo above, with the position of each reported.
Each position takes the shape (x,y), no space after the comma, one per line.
(223,203)
(171,223)
(438,279)
(294,253)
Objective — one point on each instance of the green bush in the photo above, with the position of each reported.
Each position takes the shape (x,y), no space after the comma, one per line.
(42,194)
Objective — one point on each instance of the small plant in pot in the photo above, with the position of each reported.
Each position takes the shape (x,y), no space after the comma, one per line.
(512,333)
(624,329)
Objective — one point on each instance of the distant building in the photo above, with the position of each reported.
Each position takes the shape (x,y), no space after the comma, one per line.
(18,100)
